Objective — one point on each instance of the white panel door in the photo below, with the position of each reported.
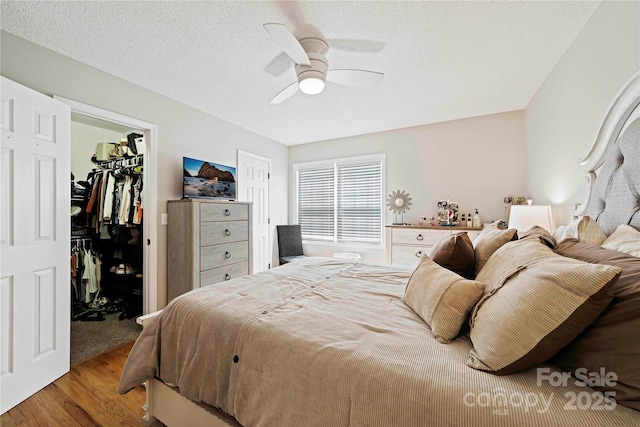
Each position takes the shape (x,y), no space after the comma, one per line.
(253,186)
(34,242)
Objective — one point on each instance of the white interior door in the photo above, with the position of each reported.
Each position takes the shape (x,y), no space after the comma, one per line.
(34,242)
(253,186)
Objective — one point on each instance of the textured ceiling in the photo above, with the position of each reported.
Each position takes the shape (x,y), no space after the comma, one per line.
(442,60)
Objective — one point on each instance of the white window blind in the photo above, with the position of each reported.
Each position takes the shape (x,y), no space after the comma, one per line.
(316,203)
(341,201)
(359,203)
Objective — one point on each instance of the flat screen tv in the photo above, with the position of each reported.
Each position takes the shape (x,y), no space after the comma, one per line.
(208,180)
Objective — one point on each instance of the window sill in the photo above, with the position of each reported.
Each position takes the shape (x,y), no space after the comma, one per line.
(350,246)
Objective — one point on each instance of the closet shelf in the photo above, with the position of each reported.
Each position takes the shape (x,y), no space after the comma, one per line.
(121,162)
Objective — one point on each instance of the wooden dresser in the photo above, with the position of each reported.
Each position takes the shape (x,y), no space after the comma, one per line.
(208,242)
(407,243)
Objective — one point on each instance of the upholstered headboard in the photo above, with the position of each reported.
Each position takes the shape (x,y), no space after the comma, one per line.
(612,167)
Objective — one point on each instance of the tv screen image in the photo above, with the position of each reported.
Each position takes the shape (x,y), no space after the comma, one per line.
(204,179)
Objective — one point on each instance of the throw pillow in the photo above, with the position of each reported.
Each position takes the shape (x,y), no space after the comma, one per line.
(455,252)
(584,229)
(441,298)
(535,303)
(538,232)
(488,241)
(625,239)
(611,341)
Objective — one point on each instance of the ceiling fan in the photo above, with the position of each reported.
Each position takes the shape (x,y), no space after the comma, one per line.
(312,66)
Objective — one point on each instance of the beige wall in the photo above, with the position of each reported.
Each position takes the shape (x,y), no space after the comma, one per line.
(182,130)
(475,162)
(563,118)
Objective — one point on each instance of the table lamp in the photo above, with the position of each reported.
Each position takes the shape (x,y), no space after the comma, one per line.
(523,217)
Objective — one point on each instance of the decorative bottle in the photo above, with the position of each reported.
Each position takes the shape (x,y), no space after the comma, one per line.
(469,220)
(477,220)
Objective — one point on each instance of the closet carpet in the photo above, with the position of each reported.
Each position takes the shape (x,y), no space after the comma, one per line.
(89,339)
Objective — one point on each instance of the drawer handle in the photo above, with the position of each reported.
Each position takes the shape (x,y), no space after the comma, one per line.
(419,254)
(227,255)
(227,212)
(227,232)
(227,277)
(419,237)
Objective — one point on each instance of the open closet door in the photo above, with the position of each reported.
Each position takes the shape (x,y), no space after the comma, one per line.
(34,240)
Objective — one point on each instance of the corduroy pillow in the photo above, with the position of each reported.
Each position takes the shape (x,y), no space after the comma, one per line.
(455,253)
(611,341)
(625,239)
(540,233)
(442,298)
(490,239)
(535,303)
(584,229)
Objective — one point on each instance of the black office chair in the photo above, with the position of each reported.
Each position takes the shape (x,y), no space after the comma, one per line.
(289,243)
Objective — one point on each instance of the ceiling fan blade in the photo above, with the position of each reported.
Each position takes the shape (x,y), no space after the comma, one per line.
(355,78)
(279,65)
(288,43)
(285,94)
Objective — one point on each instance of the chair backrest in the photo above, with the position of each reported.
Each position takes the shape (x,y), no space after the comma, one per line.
(289,240)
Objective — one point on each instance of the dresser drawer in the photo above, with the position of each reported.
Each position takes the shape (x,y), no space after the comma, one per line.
(409,255)
(418,236)
(224,254)
(223,212)
(213,233)
(220,274)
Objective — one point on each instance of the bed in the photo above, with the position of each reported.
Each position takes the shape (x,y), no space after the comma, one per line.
(329,342)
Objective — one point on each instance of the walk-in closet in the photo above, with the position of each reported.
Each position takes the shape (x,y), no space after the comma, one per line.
(107,204)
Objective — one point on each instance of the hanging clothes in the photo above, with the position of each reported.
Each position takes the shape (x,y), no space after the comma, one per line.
(89,276)
(80,276)
(117,200)
(74,275)
(110,186)
(114,196)
(126,200)
(93,197)
(101,197)
(136,216)
(98,269)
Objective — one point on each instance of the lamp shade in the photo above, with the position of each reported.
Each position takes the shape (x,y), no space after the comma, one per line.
(523,217)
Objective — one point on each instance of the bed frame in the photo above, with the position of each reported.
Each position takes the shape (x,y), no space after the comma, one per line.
(165,406)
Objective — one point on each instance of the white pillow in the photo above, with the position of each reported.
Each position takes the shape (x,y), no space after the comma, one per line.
(584,229)
(625,239)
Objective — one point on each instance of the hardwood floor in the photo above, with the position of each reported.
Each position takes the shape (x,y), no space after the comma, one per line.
(86,396)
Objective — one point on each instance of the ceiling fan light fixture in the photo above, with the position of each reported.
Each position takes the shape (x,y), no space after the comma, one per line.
(311,83)
(312,66)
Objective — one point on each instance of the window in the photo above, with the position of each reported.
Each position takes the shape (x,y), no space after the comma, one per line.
(341,200)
